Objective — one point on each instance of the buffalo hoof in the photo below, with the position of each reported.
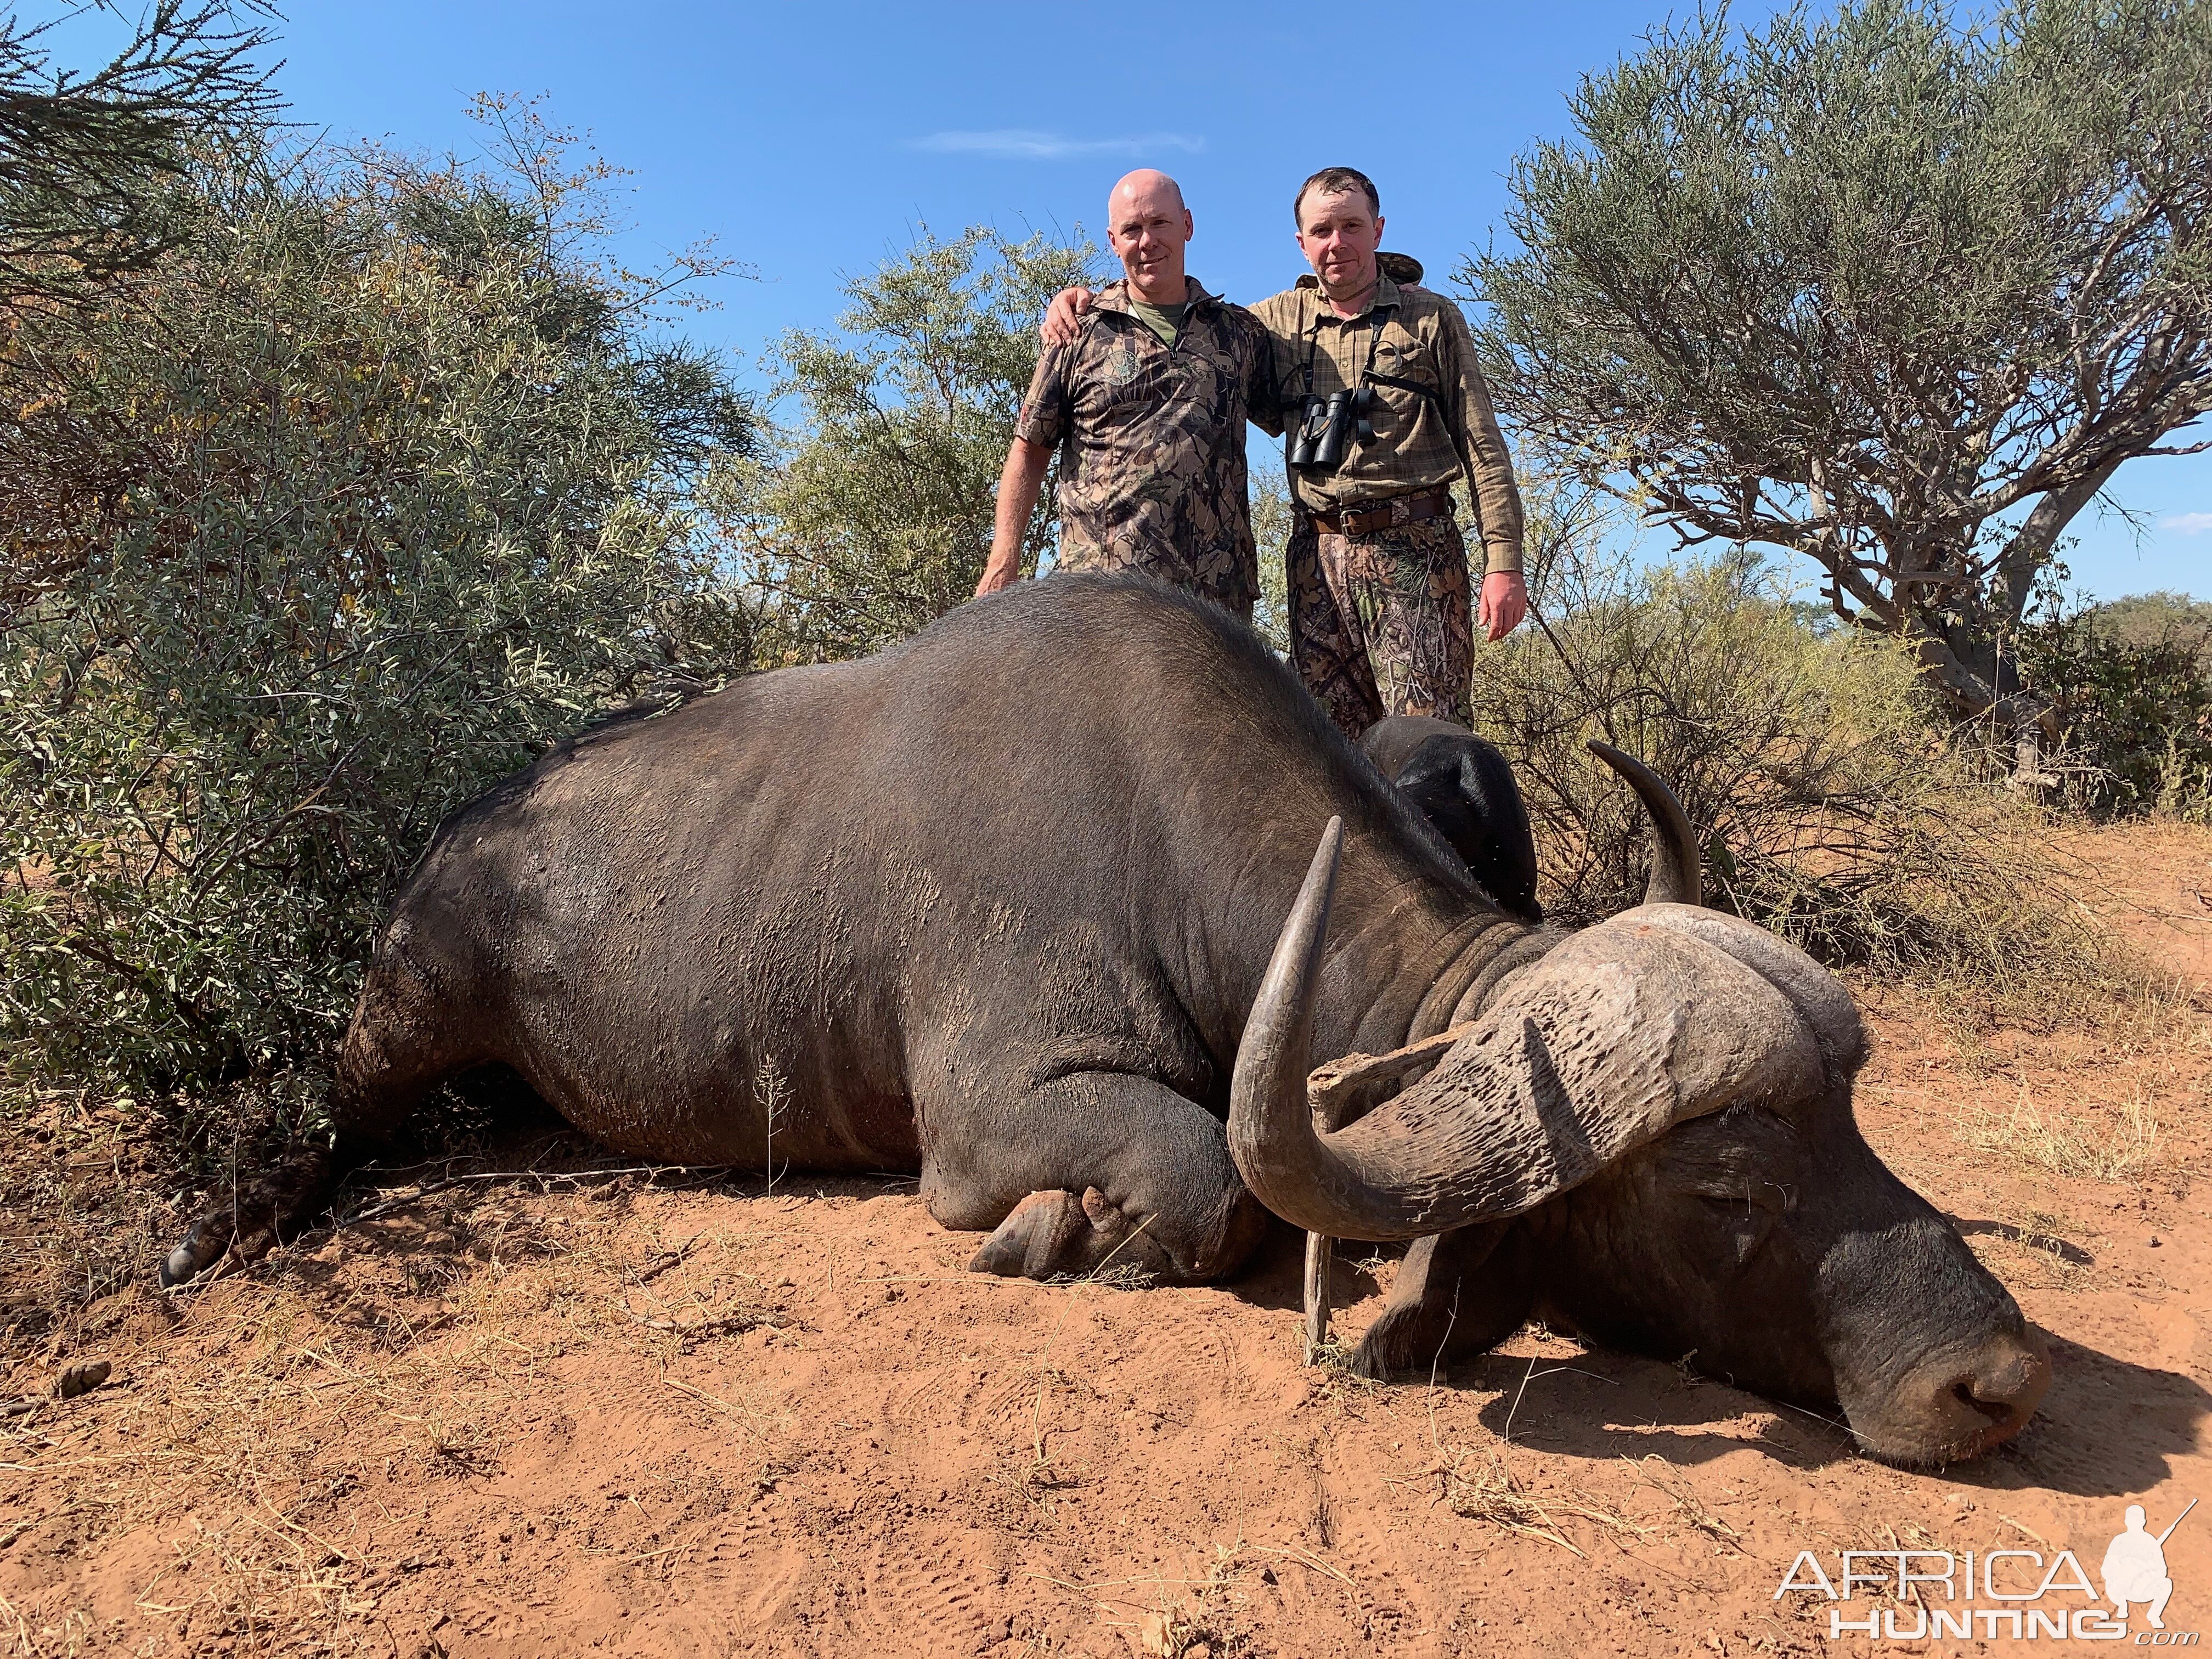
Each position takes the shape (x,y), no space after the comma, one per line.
(202,1247)
(256,1216)
(1400,1343)
(1456,1294)
(1030,1242)
(1054,1234)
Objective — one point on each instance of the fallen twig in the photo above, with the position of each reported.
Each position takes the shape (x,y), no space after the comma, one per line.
(667,1259)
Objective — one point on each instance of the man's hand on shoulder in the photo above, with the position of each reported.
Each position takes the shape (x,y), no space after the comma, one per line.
(1505,603)
(1063,318)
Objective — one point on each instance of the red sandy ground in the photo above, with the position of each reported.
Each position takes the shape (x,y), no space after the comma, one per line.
(562,1416)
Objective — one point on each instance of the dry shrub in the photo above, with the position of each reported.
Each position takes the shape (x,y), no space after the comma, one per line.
(1834,806)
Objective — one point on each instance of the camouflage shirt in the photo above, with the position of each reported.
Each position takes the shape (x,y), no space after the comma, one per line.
(1420,440)
(1151,476)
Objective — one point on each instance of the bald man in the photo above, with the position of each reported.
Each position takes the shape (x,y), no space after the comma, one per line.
(1146,405)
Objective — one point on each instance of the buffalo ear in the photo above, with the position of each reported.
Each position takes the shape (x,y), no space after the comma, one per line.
(1465,789)
(1457,1294)
(1435,789)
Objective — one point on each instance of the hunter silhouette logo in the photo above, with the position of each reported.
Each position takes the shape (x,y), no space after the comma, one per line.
(2000,1593)
(2135,1566)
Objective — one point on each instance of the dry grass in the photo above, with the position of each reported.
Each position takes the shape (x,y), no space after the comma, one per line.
(1683,1503)
(2033,1253)
(1206,1617)
(1203,1621)
(87,1203)
(415,1360)
(2097,1145)
(1210,1617)
(1479,1485)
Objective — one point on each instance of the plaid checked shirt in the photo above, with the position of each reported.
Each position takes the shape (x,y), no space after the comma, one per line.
(1419,441)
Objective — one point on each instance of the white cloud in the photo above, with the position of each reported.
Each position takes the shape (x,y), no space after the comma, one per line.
(2188,524)
(1025,144)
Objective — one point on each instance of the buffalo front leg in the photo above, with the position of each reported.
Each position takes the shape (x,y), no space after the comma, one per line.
(1457,1293)
(1094,1171)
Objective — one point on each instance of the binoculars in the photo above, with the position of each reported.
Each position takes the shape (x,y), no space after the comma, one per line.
(1325,424)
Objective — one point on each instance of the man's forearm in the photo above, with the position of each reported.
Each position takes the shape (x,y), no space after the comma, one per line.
(1019,480)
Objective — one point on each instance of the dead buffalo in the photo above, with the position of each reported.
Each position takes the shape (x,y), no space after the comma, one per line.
(1005,906)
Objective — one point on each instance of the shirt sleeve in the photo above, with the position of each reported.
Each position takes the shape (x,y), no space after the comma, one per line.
(1263,399)
(1267,400)
(1045,409)
(1481,445)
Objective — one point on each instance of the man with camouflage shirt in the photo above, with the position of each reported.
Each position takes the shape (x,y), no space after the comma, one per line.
(1378,570)
(1149,399)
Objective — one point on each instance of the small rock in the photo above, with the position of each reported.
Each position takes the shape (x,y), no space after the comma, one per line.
(81,1379)
(2154,1241)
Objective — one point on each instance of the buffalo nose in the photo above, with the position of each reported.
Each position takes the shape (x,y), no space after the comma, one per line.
(2002,1384)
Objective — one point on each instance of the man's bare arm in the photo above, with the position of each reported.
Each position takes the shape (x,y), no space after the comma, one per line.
(1019,480)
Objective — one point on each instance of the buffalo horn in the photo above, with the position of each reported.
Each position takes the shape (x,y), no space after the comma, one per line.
(1676,870)
(1585,1055)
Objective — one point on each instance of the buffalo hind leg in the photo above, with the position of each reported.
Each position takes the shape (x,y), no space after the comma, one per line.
(1097,1170)
(396,1053)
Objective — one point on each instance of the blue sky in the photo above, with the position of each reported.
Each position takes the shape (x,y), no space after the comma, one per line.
(810,139)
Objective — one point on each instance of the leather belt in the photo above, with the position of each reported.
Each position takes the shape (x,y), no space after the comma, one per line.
(1435,502)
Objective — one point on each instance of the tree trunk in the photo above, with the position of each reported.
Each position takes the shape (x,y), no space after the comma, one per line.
(1971,661)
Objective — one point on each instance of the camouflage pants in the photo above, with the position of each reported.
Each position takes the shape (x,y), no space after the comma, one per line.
(1380,623)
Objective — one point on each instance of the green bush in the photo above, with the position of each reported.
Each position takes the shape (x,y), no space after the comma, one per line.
(876,515)
(2131,694)
(1831,804)
(371,490)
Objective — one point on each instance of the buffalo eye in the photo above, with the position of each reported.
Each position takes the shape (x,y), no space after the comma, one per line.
(1745,1214)
(1747,1194)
